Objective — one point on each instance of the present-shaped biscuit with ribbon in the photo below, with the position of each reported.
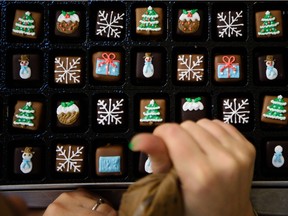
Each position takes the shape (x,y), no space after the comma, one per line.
(228,68)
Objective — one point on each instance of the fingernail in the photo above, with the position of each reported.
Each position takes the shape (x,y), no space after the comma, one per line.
(130,146)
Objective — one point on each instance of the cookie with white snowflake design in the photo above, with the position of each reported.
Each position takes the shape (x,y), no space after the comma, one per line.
(67,70)
(68,23)
(110,24)
(230,24)
(69,158)
(68,113)
(111,113)
(236,110)
(190,68)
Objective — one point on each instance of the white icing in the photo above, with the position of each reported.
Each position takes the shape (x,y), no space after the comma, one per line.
(72,108)
(193,18)
(72,18)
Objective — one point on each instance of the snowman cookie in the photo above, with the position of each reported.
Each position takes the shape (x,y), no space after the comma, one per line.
(271,71)
(26,165)
(278,159)
(67,22)
(67,113)
(25,70)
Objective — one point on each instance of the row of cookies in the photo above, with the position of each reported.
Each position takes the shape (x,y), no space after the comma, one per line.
(110,112)
(148,21)
(146,68)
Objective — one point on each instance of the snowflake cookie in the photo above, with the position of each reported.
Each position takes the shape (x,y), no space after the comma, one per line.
(190,68)
(109,160)
(67,70)
(230,24)
(236,111)
(110,24)
(69,158)
(111,112)
(274,110)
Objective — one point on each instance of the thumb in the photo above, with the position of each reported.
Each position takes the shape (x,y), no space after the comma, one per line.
(155,148)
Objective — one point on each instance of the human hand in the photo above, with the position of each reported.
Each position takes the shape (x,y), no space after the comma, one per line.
(78,203)
(213,160)
(12,206)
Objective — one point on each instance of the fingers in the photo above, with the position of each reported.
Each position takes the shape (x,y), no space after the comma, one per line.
(155,148)
(79,202)
(183,150)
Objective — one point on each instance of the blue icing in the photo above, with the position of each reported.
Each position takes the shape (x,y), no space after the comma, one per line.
(109,164)
(228,72)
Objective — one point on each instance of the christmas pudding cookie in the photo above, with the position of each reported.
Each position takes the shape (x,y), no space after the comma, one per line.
(152,112)
(269,24)
(149,21)
(107,66)
(110,24)
(27,160)
(68,70)
(27,115)
(26,24)
(193,108)
(109,160)
(190,68)
(68,113)
(274,110)
(67,23)
(236,110)
(26,67)
(230,24)
(188,22)
(228,68)
(271,68)
(276,153)
(70,158)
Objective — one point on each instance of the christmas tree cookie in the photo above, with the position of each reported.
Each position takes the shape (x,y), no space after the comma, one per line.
(26,24)
(152,112)
(149,21)
(274,110)
(269,24)
(27,115)
(67,23)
